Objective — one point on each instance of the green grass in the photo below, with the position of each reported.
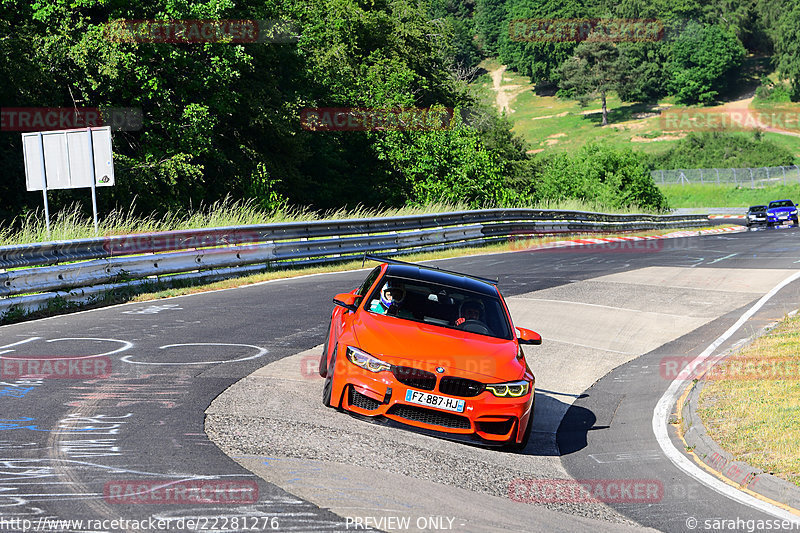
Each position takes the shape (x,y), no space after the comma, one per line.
(70,223)
(758,420)
(556,125)
(552,124)
(726,195)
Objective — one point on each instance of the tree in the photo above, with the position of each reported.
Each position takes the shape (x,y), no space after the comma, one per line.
(537,57)
(490,20)
(607,176)
(452,165)
(592,71)
(644,66)
(702,59)
(787,48)
(717,149)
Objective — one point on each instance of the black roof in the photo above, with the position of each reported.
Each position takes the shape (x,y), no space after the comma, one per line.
(442,277)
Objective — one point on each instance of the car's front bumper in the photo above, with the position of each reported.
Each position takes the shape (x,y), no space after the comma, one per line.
(485,418)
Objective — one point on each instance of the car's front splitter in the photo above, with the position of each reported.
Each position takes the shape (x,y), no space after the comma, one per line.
(468,438)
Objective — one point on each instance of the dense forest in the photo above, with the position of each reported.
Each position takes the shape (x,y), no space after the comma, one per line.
(223,118)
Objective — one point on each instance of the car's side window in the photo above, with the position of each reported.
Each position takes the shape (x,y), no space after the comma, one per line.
(368,283)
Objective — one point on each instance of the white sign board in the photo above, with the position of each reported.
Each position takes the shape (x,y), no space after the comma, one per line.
(67,159)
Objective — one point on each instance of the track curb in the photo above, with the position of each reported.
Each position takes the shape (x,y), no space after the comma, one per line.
(567,243)
(713,458)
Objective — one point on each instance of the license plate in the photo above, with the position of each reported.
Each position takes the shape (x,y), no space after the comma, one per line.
(433,400)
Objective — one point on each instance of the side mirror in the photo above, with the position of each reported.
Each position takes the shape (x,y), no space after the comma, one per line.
(346,300)
(527,336)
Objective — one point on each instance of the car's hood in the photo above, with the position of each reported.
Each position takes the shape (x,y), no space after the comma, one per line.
(780,210)
(425,346)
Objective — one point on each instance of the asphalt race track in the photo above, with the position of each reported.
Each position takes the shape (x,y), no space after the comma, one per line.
(108,447)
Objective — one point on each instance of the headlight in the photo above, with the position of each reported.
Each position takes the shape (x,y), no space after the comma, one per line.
(514,389)
(366,361)
(794,211)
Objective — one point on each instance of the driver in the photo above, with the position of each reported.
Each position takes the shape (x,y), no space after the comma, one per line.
(391,301)
(470,310)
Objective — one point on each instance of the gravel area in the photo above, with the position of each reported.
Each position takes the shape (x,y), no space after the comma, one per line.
(277,412)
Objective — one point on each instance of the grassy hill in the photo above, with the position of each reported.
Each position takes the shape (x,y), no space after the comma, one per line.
(551,124)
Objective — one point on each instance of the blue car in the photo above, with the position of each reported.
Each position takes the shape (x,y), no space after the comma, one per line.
(781,212)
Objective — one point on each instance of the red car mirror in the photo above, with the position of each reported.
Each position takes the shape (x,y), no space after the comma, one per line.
(527,336)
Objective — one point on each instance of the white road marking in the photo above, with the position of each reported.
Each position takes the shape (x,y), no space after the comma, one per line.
(667,401)
(153,309)
(614,457)
(125,345)
(29,339)
(722,258)
(261,352)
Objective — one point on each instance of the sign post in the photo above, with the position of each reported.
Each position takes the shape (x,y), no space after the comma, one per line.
(44,186)
(93,180)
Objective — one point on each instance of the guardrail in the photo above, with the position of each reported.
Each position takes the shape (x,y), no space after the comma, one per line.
(80,270)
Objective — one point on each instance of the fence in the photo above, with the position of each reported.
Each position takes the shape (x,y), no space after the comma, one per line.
(745,177)
(81,270)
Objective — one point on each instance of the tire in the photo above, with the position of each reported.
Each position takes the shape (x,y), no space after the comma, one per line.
(323,361)
(327,387)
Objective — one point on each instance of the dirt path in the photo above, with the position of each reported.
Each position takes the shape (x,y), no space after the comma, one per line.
(505,93)
(740,112)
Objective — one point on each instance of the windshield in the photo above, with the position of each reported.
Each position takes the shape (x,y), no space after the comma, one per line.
(758,208)
(440,305)
(781,203)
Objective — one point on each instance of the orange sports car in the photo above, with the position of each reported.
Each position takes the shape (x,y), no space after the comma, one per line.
(431,349)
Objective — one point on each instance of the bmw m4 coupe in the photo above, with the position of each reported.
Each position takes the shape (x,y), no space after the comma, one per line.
(432,350)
